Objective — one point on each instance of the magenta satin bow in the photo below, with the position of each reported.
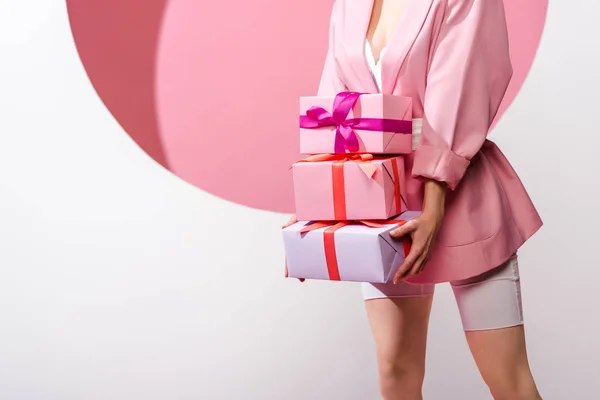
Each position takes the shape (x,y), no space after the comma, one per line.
(346,139)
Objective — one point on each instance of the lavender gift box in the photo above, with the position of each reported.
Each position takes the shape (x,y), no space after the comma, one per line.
(357,251)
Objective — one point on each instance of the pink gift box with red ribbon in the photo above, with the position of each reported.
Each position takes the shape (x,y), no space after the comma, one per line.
(352,122)
(359,251)
(348,187)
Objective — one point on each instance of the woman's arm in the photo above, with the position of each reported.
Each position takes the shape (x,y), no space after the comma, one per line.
(330,83)
(469,74)
(434,198)
(466,82)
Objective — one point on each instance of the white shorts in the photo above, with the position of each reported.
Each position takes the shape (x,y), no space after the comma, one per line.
(491,300)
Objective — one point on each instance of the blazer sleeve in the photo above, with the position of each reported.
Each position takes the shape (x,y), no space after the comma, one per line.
(331,83)
(468,76)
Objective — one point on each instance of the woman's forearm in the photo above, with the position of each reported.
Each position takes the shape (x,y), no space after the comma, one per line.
(434,198)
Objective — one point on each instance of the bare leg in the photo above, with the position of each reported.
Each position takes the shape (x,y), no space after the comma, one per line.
(399,327)
(501,357)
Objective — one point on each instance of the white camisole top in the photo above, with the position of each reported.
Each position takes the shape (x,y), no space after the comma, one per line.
(376,72)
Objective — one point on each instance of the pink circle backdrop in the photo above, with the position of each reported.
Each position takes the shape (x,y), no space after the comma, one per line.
(210,90)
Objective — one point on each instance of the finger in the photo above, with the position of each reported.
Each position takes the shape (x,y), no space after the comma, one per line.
(418,266)
(291,221)
(424,264)
(287,275)
(415,267)
(404,230)
(407,264)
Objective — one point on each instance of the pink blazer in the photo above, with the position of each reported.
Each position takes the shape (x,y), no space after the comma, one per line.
(452,58)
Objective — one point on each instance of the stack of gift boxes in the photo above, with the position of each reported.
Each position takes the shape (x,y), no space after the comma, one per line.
(350,190)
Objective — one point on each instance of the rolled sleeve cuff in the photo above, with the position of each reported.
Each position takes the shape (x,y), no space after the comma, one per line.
(439,164)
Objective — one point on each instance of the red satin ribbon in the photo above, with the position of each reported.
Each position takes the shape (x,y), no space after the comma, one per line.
(363,161)
(329,240)
(397,196)
(338,180)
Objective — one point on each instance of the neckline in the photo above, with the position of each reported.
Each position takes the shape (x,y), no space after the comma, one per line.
(394,29)
(381,52)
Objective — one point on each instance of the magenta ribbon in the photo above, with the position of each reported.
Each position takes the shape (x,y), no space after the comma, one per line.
(345,137)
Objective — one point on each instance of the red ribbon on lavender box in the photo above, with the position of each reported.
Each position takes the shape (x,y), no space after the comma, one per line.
(346,139)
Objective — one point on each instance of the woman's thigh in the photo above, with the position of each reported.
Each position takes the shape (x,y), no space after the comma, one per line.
(491,300)
(491,311)
(399,326)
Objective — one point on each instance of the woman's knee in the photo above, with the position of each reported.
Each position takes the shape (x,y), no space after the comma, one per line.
(401,379)
(512,384)
(501,357)
(399,328)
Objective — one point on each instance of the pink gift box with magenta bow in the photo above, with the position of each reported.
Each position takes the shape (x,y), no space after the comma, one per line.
(356,123)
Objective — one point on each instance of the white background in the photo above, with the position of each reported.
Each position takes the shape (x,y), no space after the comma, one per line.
(120,281)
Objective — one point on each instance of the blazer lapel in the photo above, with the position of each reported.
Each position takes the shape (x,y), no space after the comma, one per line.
(355,25)
(403,36)
(351,44)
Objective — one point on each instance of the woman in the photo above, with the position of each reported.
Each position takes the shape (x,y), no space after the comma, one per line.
(451,57)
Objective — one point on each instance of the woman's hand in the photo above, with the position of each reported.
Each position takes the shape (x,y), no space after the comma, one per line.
(422,230)
(291,221)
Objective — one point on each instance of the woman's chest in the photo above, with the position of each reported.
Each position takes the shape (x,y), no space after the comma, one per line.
(384,19)
(408,46)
